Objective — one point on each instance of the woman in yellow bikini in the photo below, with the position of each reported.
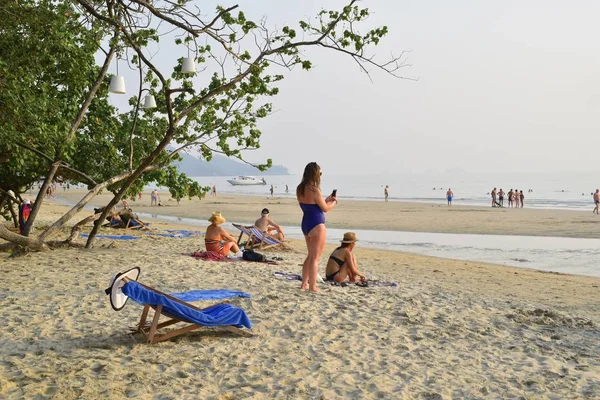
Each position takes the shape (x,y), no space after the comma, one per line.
(217,239)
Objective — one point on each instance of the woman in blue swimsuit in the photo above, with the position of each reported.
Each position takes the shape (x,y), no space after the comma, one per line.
(314,208)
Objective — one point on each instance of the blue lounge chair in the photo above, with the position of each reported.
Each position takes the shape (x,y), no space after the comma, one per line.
(256,238)
(222,315)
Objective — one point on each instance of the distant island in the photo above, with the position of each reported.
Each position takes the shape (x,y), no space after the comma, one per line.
(223,166)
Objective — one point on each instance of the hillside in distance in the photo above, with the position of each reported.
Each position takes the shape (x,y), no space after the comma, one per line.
(223,166)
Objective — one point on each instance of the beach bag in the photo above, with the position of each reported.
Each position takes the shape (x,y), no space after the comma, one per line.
(251,255)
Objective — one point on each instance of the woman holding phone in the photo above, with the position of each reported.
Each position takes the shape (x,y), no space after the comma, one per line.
(314,208)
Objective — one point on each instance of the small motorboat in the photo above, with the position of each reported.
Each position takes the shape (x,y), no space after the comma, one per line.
(246,181)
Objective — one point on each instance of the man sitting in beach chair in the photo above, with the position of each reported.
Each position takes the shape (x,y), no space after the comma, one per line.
(222,315)
(256,238)
(268,227)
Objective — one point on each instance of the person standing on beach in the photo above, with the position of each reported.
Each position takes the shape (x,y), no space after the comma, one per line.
(272,190)
(521,198)
(510,198)
(214,190)
(516,199)
(596,201)
(286,189)
(314,208)
(154,198)
(501,197)
(494,198)
(386,192)
(449,196)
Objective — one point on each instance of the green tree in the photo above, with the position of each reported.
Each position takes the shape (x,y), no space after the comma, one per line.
(241,60)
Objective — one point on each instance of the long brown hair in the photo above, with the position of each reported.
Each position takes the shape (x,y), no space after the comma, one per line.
(311,176)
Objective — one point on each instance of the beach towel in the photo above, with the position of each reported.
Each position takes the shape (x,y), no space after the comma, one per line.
(373,283)
(114,237)
(185,233)
(376,283)
(210,256)
(214,256)
(291,277)
(218,315)
(212,294)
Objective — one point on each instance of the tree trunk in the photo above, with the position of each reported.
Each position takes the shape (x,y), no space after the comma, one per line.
(127,184)
(40,198)
(15,217)
(74,126)
(20,240)
(86,199)
(77,227)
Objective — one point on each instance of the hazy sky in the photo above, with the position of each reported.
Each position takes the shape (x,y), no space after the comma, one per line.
(504,85)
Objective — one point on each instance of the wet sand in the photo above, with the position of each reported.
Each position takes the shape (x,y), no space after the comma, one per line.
(378,215)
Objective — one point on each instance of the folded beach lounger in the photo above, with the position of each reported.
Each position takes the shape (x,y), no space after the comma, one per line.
(256,238)
(222,315)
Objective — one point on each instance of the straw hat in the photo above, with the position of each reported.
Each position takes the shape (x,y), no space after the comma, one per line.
(117,297)
(217,218)
(349,237)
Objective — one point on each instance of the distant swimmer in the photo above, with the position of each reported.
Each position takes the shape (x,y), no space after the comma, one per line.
(596,201)
(449,196)
(386,192)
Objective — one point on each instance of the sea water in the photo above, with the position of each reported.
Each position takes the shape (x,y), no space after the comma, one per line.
(564,191)
(552,254)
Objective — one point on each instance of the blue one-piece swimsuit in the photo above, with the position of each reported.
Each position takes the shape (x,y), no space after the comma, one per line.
(313,216)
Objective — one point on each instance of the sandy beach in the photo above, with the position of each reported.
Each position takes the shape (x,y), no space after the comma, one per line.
(378,215)
(451,329)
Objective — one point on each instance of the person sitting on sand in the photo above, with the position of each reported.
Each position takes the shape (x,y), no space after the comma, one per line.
(342,262)
(268,226)
(217,239)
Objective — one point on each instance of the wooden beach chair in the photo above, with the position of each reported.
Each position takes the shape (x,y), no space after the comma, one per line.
(125,285)
(256,238)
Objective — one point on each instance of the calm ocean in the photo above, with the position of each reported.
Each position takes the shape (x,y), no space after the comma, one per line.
(568,191)
(563,191)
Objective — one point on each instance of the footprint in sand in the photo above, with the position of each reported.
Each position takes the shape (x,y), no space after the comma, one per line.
(98,368)
(51,390)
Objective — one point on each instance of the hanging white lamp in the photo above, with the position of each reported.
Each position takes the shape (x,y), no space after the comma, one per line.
(117,83)
(189,65)
(149,101)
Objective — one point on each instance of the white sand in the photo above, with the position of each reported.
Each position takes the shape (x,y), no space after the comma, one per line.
(451,329)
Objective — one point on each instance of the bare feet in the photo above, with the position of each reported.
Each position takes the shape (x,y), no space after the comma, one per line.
(304,287)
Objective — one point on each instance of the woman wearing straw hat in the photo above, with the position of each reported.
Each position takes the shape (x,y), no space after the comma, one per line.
(314,208)
(342,262)
(217,239)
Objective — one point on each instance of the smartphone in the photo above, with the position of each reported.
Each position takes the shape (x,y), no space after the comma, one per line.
(334,193)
